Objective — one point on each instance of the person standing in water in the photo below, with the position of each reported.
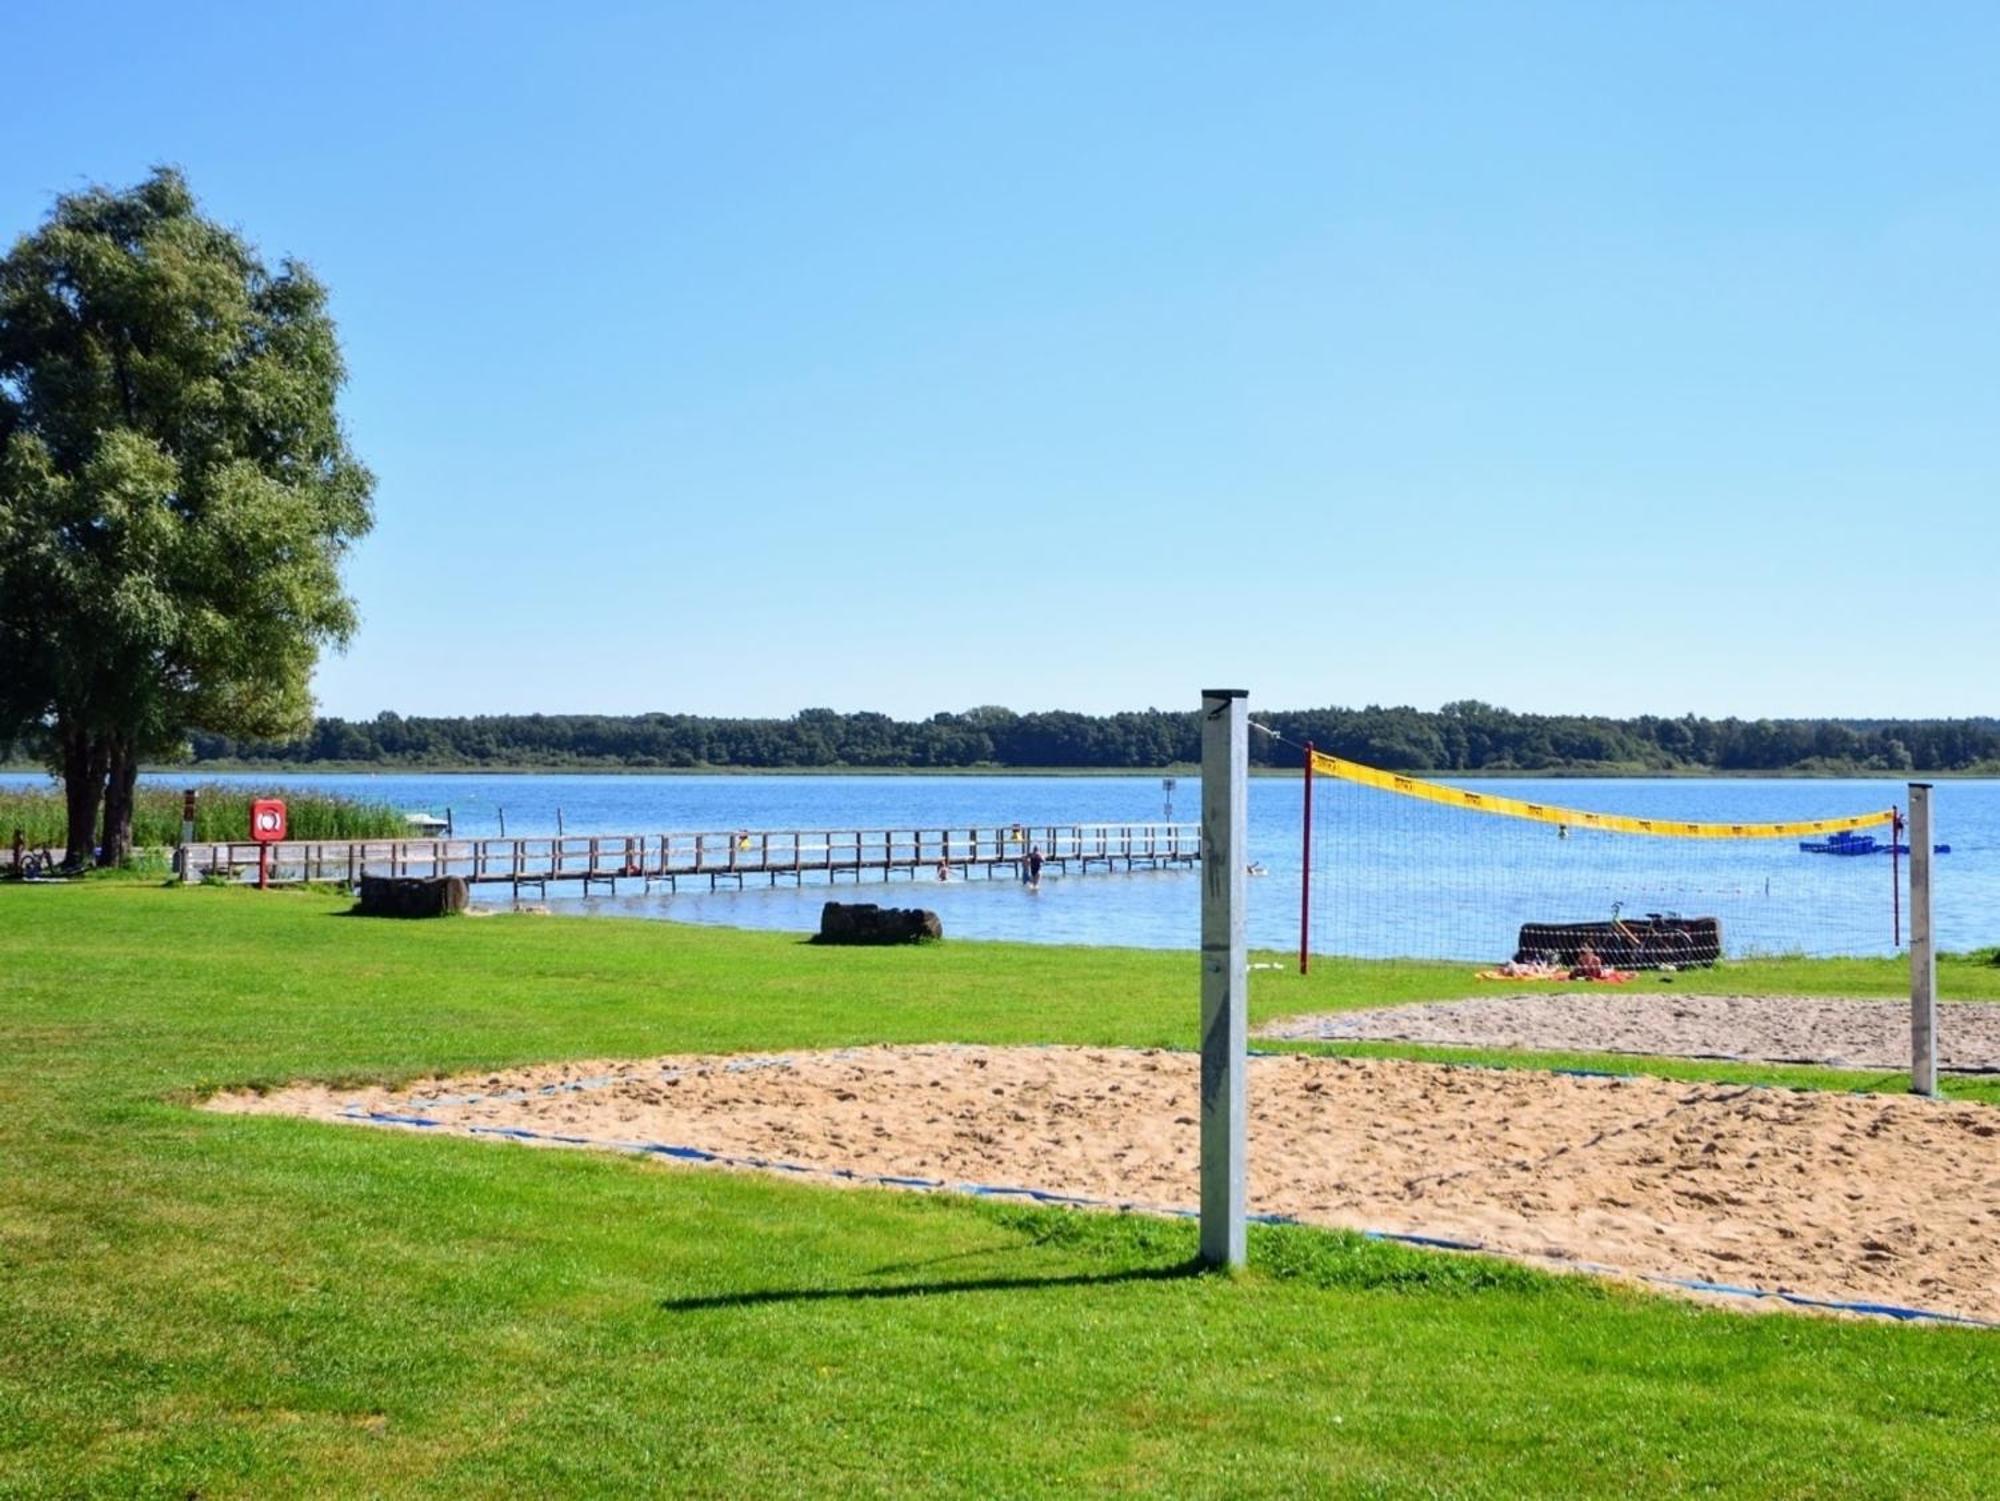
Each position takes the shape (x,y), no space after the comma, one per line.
(1035,866)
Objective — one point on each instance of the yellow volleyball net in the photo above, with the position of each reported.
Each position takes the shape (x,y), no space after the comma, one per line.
(1615,875)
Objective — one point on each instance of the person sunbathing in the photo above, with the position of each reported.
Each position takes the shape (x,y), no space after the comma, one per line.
(1525,969)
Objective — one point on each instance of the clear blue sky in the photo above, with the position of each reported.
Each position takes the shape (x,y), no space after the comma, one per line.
(740,358)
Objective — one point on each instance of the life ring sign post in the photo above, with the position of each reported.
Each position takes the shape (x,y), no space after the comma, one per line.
(267,827)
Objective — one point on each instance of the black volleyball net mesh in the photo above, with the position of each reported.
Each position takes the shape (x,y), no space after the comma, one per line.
(1403,867)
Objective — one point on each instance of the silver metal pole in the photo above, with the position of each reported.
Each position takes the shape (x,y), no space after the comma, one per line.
(1225,976)
(1923,951)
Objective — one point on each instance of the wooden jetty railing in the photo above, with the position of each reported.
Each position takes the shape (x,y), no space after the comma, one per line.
(716,857)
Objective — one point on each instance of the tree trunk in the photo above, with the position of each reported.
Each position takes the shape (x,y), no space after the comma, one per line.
(83,767)
(121,778)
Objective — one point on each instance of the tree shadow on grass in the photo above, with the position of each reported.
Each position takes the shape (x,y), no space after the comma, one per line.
(1171,1273)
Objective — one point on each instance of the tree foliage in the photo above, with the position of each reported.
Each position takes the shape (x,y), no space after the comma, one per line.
(176,492)
(1460,738)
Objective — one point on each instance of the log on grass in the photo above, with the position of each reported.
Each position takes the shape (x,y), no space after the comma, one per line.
(412,896)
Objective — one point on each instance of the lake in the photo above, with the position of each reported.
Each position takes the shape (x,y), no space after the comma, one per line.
(1393,876)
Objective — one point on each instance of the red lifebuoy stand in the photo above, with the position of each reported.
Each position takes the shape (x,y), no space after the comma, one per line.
(267,827)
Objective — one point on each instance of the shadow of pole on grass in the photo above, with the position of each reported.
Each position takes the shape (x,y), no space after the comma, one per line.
(1173,1273)
(977,1253)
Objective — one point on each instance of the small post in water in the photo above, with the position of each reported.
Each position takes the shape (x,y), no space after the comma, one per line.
(1923,951)
(1225,976)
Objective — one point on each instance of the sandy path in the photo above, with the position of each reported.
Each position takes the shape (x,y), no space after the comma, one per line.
(1769,1028)
(1830,1195)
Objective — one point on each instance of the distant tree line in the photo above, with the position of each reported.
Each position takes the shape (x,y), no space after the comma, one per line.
(1460,737)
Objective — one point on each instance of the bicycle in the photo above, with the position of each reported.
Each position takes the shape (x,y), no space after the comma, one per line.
(1662,944)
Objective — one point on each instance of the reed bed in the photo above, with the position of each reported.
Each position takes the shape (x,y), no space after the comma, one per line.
(220,813)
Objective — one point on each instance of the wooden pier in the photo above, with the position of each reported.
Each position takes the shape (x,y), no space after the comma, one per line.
(719,858)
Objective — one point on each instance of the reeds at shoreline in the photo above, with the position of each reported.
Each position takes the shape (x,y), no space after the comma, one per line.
(220,813)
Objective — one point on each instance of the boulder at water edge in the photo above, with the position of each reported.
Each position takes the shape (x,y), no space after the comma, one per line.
(864,922)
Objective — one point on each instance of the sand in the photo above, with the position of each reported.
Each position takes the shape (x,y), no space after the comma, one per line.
(1833,1196)
(1767,1028)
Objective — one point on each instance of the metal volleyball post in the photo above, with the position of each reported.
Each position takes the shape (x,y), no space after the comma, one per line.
(1923,950)
(1306,871)
(1225,974)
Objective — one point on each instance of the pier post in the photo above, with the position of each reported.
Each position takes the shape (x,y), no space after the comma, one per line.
(1225,976)
(1923,949)
(184,857)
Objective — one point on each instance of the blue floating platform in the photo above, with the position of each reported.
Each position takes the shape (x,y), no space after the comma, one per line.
(1860,844)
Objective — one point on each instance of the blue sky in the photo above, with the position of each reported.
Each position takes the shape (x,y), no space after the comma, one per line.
(741,358)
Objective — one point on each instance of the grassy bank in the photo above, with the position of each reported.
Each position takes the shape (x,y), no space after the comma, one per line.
(242,1305)
(220,813)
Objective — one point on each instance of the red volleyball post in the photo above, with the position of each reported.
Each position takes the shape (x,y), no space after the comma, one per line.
(1895,879)
(1306,871)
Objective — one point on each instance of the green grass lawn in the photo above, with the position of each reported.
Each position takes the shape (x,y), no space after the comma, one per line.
(193,1303)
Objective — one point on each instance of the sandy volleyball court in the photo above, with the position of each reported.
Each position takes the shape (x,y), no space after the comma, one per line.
(1766,1028)
(1833,1196)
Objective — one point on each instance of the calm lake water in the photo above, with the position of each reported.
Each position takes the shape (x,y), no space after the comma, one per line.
(1394,876)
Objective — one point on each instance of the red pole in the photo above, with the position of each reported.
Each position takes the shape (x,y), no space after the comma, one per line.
(1895,878)
(1306,871)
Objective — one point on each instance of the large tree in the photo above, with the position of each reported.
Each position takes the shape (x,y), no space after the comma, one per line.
(176,491)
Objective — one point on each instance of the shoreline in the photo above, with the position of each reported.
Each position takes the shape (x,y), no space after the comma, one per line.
(1192,772)
(280,769)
